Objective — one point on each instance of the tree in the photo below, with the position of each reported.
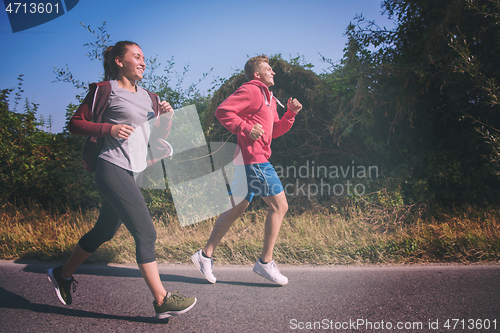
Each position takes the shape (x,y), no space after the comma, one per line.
(46,168)
(430,96)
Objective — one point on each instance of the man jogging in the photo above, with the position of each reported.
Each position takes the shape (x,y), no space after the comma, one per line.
(251,114)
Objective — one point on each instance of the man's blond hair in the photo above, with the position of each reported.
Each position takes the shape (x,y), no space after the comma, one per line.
(253,65)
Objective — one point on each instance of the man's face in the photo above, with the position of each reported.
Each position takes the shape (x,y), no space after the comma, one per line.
(265,74)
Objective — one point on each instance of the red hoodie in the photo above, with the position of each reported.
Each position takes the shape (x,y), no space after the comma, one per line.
(251,104)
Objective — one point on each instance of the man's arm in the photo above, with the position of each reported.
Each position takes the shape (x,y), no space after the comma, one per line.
(227,112)
(283,125)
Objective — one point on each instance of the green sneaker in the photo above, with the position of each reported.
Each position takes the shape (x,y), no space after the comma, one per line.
(173,305)
(62,285)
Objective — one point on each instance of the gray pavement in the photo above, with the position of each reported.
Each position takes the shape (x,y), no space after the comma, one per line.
(114,298)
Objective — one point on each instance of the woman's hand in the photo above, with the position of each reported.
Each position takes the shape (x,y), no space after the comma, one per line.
(165,107)
(121,131)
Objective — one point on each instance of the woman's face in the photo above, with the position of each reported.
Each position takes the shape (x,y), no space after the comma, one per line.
(132,63)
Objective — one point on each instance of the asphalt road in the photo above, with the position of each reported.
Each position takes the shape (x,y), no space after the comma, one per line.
(114,298)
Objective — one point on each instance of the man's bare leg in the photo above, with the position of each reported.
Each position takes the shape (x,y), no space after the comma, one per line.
(222,225)
(278,206)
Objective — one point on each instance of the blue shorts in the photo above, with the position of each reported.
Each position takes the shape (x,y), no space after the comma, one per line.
(258,179)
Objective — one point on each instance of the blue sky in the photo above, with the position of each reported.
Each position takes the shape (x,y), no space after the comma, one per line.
(216,34)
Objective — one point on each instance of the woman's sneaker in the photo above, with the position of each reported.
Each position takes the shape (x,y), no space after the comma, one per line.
(61,285)
(270,271)
(173,305)
(204,265)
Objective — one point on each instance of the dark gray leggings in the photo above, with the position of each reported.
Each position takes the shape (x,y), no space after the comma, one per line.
(123,202)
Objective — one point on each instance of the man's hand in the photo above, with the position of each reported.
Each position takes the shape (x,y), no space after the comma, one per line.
(294,105)
(165,107)
(121,131)
(256,132)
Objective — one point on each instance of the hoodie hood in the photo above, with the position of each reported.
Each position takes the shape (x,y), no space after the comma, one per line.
(268,95)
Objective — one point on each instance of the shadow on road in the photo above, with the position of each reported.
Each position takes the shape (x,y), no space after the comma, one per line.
(246,284)
(14,301)
(110,271)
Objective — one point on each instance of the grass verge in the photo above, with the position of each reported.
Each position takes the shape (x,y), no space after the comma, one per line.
(349,236)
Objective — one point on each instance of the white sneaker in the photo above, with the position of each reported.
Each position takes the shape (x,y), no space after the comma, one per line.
(270,271)
(204,265)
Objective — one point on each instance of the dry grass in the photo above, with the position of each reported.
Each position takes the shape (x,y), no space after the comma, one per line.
(31,232)
(353,236)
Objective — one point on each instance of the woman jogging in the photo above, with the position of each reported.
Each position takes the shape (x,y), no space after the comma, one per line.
(109,115)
